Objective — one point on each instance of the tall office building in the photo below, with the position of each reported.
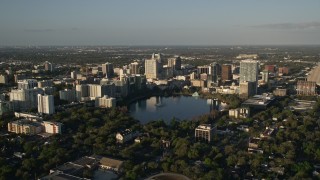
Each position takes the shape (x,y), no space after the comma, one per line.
(226,73)
(107,69)
(153,66)
(265,76)
(249,71)
(46,104)
(213,73)
(48,66)
(82,91)
(134,68)
(174,63)
(73,75)
(157,56)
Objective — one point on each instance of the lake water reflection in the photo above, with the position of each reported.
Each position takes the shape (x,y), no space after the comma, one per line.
(166,108)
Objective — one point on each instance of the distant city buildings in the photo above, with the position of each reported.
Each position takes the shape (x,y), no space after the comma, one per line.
(247,56)
(24,99)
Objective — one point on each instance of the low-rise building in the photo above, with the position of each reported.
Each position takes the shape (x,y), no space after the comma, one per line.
(111,164)
(204,132)
(24,127)
(125,136)
(239,113)
(280,92)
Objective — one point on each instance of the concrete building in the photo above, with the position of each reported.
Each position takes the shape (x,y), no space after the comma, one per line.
(226,74)
(306,88)
(153,67)
(107,69)
(45,83)
(125,136)
(82,91)
(280,92)
(52,127)
(134,68)
(247,89)
(239,113)
(96,90)
(314,75)
(27,84)
(204,132)
(3,79)
(24,99)
(174,63)
(18,77)
(24,127)
(105,102)
(203,70)
(265,76)
(68,95)
(48,66)
(249,71)
(270,68)
(46,104)
(73,75)
(111,164)
(283,70)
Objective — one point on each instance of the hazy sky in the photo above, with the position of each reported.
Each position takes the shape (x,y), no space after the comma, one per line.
(161,22)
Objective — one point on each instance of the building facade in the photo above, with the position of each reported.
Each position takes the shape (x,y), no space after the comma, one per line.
(204,132)
(46,104)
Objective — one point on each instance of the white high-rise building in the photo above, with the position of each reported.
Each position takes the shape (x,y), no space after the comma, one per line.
(82,91)
(153,66)
(134,68)
(24,99)
(48,66)
(46,104)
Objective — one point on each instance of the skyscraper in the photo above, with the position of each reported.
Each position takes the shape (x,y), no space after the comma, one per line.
(174,63)
(153,66)
(45,104)
(107,69)
(226,72)
(248,71)
(134,68)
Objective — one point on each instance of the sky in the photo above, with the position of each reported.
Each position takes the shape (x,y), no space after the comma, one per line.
(161,22)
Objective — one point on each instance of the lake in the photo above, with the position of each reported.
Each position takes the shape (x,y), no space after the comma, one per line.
(167,108)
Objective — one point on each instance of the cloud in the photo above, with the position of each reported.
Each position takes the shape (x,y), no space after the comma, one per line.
(289,26)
